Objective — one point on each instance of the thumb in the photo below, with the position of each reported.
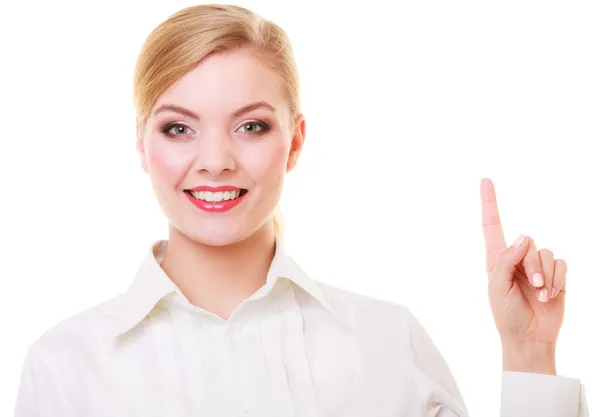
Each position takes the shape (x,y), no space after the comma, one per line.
(509,259)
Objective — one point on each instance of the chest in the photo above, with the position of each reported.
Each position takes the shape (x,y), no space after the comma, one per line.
(280,365)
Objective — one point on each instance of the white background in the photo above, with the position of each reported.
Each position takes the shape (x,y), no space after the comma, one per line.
(408,105)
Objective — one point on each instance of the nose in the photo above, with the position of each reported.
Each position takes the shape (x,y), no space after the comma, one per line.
(215,153)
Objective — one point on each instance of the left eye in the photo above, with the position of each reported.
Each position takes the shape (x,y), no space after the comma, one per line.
(253,127)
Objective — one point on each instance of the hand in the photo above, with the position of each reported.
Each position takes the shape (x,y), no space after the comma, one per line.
(528,308)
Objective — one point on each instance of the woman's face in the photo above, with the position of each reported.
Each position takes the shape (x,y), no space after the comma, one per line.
(217,145)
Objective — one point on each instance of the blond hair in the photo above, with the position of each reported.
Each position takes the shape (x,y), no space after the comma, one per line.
(182,41)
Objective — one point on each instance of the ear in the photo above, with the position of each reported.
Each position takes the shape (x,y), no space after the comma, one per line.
(140,130)
(297,142)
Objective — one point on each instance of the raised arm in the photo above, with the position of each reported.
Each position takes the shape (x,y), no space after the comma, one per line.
(526,290)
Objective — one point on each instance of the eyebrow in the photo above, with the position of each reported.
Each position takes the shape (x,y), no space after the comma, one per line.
(237,113)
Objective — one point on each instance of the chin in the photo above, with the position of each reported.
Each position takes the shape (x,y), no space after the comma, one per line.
(218,236)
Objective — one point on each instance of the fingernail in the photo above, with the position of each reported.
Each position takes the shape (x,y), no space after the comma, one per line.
(519,241)
(554,292)
(537,280)
(543,295)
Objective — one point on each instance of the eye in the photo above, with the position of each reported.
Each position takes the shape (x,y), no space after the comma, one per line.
(176,129)
(254,127)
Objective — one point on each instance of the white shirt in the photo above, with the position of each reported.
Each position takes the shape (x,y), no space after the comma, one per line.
(297,347)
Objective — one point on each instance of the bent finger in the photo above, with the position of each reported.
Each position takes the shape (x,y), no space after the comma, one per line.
(560,277)
(547,261)
(533,266)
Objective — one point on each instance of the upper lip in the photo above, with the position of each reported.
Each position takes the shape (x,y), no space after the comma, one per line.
(215,189)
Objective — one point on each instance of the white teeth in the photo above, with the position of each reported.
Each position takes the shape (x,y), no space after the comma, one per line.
(216,197)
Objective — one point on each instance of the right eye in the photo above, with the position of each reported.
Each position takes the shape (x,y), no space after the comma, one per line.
(176,129)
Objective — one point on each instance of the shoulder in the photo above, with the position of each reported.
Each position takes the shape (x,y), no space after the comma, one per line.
(78,332)
(380,321)
(351,298)
(394,345)
(368,311)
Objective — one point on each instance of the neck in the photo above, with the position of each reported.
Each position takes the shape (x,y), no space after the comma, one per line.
(219,278)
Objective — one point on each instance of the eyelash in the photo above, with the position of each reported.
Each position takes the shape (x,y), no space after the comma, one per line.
(166,129)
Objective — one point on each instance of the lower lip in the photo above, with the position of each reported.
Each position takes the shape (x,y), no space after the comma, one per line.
(220,207)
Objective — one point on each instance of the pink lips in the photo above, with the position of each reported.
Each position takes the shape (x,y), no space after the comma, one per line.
(215,207)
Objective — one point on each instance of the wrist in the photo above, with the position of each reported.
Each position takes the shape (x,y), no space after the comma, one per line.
(531,357)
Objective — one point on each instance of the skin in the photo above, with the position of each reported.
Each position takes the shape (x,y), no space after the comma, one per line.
(220,259)
(528,314)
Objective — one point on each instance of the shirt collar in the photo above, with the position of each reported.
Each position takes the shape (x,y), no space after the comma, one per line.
(151,285)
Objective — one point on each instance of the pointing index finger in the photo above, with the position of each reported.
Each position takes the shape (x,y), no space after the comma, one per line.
(492,227)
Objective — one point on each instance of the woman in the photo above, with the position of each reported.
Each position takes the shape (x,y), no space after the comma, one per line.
(219,321)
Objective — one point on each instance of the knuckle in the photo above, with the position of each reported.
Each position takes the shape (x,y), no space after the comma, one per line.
(504,256)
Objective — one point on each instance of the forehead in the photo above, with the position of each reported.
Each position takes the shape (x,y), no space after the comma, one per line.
(226,81)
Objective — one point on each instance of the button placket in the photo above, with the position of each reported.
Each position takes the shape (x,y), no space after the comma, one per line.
(230,336)
(236,363)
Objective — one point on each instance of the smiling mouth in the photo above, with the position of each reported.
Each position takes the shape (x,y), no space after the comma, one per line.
(217,197)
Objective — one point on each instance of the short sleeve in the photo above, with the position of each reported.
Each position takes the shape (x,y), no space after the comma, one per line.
(528,394)
(439,391)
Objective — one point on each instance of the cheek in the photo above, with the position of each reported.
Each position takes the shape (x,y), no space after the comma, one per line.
(169,164)
(268,163)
